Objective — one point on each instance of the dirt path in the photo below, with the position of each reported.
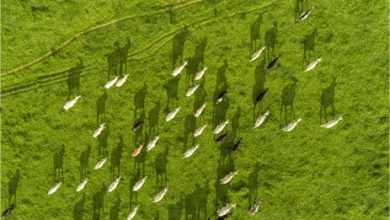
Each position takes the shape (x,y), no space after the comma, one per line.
(95,28)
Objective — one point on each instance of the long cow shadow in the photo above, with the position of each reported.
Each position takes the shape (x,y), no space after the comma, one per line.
(175,211)
(200,98)
(260,75)
(139,161)
(189,128)
(116,156)
(287,111)
(73,80)
(172,89)
(220,109)
(115,208)
(161,169)
(222,190)
(139,101)
(13,184)
(196,61)
(178,46)
(58,164)
(271,40)
(255,33)
(153,118)
(327,100)
(253,184)
(103,142)
(308,42)
(98,203)
(79,209)
(300,6)
(101,108)
(84,163)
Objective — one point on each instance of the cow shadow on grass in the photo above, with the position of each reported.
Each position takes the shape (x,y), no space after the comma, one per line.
(236,123)
(115,208)
(221,87)
(260,76)
(300,6)
(103,142)
(13,184)
(139,101)
(309,52)
(196,62)
(58,165)
(153,118)
(178,42)
(172,89)
(287,112)
(98,203)
(253,184)
(271,40)
(189,128)
(101,108)
(84,163)
(160,163)
(133,195)
(73,80)
(175,211)
(222,190)
(327,101)
(79,209)
(116,156)
(139,161)
(200,99)
(255,33)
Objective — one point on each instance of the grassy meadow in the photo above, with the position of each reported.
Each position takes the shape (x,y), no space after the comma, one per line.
(308,173)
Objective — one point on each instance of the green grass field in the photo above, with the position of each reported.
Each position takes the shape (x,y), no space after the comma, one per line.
(308,173)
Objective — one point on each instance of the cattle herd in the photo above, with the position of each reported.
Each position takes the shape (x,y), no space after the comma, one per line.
(117,64)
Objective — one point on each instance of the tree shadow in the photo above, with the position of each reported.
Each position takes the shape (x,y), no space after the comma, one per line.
(161,169)
(98,203)
(260,75)
(271,40)
(220,109)
(116,156)
(175,211)
(153,117)
(84,163)
(255,33)
(139,161)
(287,107)
(13,187)
(103,142)
(73,80)
(178,42)
(189,128)
(79,209)
(308,42)
(139,101)
(253,184)
(172,89)
(101,108)
(58,163)
(115,208)
(327,100)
